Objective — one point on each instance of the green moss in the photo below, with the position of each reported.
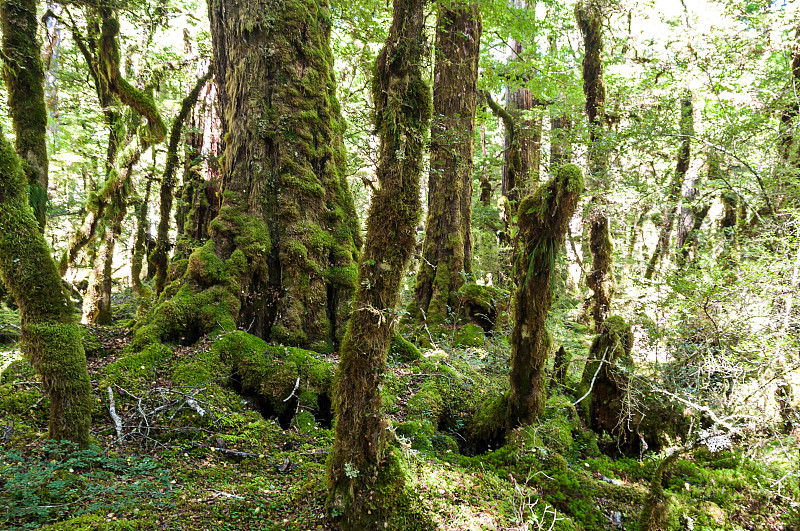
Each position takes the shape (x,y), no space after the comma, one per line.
(420,433)
(469,335)
(346,277)
(305,423)
(273,372)
(205,267)
(91,345)
(136,367)
(402,350)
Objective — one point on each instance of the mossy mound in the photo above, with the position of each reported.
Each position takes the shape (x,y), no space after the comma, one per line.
(283,380)
(403,350)
(485,305)
(469,335)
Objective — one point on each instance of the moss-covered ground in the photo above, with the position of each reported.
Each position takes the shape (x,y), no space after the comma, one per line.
(209,443)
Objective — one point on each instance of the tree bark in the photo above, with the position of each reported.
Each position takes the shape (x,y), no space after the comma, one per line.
(601,277)
(50,339)
(447,249)
(676,184)
(365,482)
(543,219)
(23,74)
(158,257)
(280,261)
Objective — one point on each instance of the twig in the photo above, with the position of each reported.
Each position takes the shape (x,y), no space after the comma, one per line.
(113,411)
(296,385)
(591,385)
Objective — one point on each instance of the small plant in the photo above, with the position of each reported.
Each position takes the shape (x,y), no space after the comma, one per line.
(63,481)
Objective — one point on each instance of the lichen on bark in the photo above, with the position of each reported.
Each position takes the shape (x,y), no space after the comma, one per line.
(543,219)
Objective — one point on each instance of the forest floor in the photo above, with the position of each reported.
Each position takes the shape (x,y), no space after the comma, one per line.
(210,457)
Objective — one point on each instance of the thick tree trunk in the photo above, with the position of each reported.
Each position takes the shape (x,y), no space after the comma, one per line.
(23,74)
(601,278)
(280,261)
(365,482)
(447,249)
(676,184)
(286,205)
(543,219)
(50,339)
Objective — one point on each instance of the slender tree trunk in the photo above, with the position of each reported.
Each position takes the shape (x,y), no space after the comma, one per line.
(788,147)
(141,212)
(447,249)
(601,277)
(364,486)
(50,339)
(676,185)
(543,220)
(158,257)
(23,74)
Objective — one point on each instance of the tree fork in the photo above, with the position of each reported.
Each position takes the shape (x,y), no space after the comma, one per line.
(676,184)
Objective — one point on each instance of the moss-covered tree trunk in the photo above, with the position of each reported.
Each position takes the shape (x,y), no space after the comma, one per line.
(543,219)
(23,74)
(364,486)
(280,261)
(601,277)
(676,183)
(789,147)
(447,249)
(50,339)
(158,256)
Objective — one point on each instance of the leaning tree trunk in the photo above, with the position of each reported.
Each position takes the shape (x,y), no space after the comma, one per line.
(280,262)
(50,339)
(23,74)
(676,185)
(158,257)
(447,249)
(601,278)
(364,486)
(543,219)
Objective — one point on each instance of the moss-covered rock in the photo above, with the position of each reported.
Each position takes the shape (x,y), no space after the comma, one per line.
(403,350)
(469,335)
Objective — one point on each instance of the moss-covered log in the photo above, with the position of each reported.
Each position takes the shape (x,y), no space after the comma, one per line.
(543,219)
(23,74)
(366,486)
(447,249)
(158,256)
(676,183)
(50,339)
